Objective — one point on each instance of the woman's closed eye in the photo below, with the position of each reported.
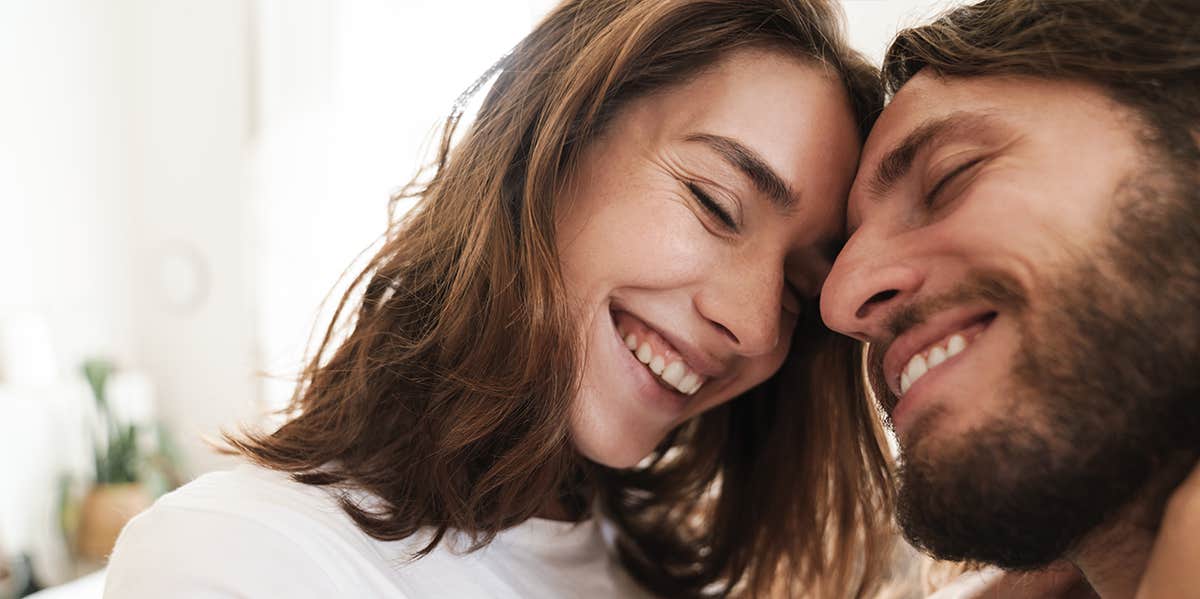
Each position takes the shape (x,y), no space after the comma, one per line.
(712,207)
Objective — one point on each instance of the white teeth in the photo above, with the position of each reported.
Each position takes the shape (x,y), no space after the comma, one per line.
(923,363)
(644,353)
(936,356)
(657,364)
(676,374)
(956,344)
(673,373)
(687,382)
(916,368)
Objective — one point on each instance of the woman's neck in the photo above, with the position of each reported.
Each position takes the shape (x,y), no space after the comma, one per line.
(556,509)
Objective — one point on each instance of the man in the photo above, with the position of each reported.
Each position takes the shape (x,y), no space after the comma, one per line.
(1024,263)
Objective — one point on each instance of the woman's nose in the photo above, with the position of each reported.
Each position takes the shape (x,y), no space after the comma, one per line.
(744,305)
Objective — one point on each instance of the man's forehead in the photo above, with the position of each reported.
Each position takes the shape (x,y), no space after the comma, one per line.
(926,109)
(931,110)
(923,98)
(929,96)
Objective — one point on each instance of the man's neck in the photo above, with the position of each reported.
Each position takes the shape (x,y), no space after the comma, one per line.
(1113,558)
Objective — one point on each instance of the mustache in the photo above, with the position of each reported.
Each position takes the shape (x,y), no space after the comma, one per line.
(993,287)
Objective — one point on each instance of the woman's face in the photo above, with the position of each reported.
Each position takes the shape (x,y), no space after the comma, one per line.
(693,231)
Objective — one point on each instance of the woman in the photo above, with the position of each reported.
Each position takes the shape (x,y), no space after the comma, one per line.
(580,329)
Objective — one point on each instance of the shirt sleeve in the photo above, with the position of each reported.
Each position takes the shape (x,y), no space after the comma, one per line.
(197,554)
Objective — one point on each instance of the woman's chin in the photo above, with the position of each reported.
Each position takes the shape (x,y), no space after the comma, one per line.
(618,458)
(612,443)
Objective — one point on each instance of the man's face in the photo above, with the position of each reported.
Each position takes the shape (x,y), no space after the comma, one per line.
(1018,267)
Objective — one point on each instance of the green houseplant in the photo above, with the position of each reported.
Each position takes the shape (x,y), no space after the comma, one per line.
(116,456)
(128,476)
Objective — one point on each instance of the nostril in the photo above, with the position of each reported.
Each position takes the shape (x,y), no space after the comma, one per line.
(724,329)
(878,298)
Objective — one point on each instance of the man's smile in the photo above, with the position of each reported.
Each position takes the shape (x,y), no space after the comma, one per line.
(933,345)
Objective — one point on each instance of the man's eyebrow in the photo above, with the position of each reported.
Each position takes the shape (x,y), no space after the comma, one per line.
(751,164)
(896,164)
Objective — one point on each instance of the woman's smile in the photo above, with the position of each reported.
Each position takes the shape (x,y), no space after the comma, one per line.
(668,363)
(653,376)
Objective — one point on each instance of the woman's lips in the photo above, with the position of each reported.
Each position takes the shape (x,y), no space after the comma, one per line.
(668,367)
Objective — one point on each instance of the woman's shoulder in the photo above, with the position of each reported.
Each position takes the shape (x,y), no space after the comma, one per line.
(248,532)
(251,532)
(252,492)
(252,497)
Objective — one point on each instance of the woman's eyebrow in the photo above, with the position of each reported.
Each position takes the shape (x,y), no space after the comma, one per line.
(752,165)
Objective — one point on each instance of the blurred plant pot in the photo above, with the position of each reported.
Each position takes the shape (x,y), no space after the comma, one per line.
(104,513)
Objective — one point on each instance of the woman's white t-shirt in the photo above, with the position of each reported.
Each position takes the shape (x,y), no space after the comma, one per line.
(255,533)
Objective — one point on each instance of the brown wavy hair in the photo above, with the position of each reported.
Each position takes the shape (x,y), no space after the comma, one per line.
(444,383)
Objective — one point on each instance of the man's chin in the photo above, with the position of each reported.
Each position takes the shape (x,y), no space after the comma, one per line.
(943,429)
(1008,495)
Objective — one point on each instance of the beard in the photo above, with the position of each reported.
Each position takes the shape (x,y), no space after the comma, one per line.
(1102,395)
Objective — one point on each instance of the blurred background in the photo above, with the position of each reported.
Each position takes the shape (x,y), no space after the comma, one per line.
(182,183)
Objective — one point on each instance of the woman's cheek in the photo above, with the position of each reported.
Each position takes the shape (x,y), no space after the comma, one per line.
(678,247)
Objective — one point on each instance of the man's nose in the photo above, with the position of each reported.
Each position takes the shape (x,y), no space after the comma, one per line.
(868,281)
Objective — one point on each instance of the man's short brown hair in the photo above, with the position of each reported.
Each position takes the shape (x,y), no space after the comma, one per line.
(1144,53)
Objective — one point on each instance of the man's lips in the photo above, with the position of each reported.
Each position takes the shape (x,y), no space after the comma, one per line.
(935,329)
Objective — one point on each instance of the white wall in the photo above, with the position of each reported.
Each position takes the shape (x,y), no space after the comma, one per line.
(66,275)
(123,140)
(64,238)
(350,96)
(190,104)
(871,24)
